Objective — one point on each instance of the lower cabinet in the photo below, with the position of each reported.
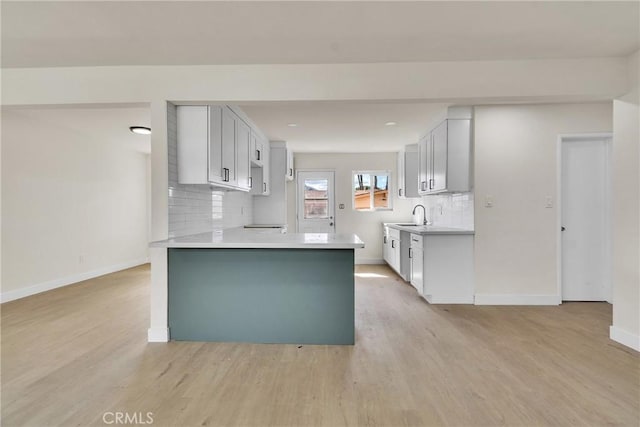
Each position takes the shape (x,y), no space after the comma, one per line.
(416,262)
(446,268)
(395,248)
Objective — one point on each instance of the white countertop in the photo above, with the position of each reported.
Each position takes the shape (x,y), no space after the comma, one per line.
(429,229)
(252,238)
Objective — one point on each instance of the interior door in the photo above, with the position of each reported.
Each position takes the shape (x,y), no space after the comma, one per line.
(315,200)
(585,248)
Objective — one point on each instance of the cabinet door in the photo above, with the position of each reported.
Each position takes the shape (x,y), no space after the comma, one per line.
(243,142)
(229,173)
(439,161)
(385,247)
(393,243)
(266,169)
(417,269)
(215,172)
(289,172)
(423,180)
(400,178)
(257,150)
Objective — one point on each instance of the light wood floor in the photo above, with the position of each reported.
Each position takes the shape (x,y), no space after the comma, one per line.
(70,355)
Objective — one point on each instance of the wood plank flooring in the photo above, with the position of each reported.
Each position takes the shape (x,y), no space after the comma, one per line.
(72,354)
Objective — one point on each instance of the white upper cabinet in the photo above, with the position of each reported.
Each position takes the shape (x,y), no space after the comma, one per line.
(261,176)
(216,147)
(257,150)
(243,143)
(423,181)
(229,142)
(408,160)
(445,158)
(289,171)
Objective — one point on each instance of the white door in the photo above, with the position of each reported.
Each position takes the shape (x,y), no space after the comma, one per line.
(584,219)
(315,201)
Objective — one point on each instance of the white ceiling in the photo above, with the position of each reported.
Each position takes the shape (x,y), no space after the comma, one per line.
(44,34)
(345,127)
(107,124)
(88,33)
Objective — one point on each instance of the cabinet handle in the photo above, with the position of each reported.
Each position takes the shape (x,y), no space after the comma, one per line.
(384,239)
(399,192)
(393,244)
(410,253)
(423,185)
(265,187)
(415,240)
(250,182)
(257,154)
(225,175)
(432,183)
(290,171)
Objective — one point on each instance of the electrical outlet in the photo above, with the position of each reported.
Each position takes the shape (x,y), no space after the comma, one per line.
(548,202)
(341,206)
(488,201)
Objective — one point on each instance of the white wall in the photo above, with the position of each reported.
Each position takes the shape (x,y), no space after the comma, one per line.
(74,204)
(515,164)
(367,225)
(626,213)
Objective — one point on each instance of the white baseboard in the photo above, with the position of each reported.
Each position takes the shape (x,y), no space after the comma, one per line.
(514,299)
(369,261)
(625,338)
(448,300)
(69,280)
(158,335)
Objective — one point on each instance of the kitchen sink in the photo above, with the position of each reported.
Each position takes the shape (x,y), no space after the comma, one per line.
(407,224)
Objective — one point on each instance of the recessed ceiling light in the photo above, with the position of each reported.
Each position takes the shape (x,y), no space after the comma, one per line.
(292,125)
(140,130)
(390,124)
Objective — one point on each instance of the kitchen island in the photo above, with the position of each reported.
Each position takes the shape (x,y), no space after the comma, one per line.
(240,285)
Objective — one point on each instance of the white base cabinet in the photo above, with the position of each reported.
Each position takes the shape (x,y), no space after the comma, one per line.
(395,251)
(442,268)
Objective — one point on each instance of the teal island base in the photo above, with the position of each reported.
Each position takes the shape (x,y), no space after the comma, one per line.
(265,295)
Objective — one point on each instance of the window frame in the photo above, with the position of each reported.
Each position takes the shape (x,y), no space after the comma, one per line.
(372,207)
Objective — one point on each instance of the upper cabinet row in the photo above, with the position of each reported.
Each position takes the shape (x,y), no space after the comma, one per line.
(217,147)
(442,163)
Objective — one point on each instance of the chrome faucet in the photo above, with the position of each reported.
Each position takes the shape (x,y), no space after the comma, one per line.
(424,212)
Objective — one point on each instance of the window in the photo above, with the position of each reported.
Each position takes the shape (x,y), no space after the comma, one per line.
(371,190)
(316,199)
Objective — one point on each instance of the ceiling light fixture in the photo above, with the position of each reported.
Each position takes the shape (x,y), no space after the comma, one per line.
(140,130)
(292,125)
(390,124)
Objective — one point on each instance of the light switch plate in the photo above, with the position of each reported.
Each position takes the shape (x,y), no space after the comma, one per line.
(488,201)
(548,202)
(341,206)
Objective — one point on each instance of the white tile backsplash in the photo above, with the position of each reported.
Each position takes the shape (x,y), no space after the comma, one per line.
(199,208)
(449,210)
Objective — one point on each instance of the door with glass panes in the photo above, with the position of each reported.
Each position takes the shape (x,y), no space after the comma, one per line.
(315,202)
